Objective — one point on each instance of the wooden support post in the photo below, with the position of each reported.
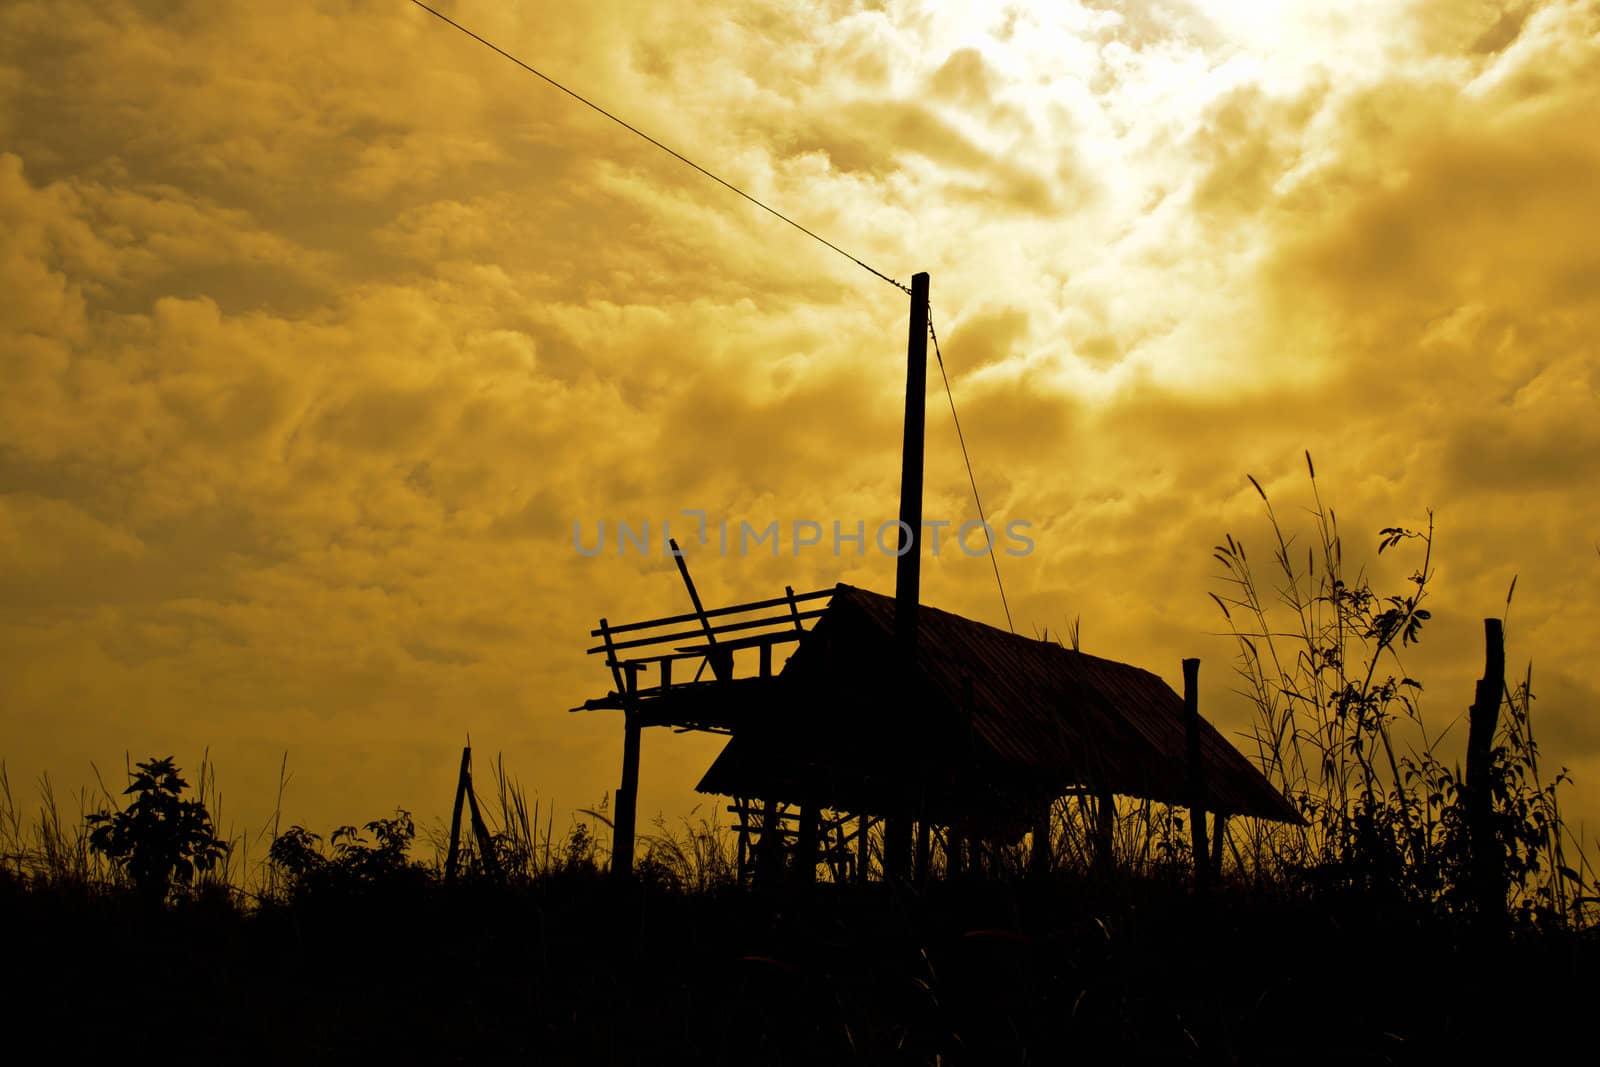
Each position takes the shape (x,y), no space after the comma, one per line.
(924,850)
(1039,855)
(453,857)
(863,848)
(1105,811)
(835,851)
(769,846)
(1219,834)
(1487,857)
(896,847)
(623,819)
(955,845)
(805,847)
(1196,774)
(744,838)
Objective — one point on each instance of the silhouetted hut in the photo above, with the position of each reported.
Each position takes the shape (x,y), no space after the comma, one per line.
(892,710)
(977,736)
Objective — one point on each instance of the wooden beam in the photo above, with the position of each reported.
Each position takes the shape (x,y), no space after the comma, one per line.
(730,627)
(721,660)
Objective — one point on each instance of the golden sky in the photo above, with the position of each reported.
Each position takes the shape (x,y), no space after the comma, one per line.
(323,324)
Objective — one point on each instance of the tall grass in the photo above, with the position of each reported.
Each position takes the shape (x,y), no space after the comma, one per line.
(39,848)
(1338,728)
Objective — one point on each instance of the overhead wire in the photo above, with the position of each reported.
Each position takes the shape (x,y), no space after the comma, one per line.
(676,155)
(971,478)
(939,356)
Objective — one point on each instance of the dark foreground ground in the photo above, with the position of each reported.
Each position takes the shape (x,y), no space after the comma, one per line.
(577,970)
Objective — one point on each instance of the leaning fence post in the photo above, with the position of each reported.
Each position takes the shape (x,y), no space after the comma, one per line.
(1197,791)
(487,860)
(454,855)
(1488,863)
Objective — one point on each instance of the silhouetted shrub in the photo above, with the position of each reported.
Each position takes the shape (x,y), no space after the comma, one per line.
(160,838)
(354,865)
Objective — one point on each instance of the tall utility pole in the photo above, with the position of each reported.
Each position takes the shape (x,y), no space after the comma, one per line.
(908,568)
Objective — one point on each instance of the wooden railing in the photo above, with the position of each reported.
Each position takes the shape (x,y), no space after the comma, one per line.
(782,619)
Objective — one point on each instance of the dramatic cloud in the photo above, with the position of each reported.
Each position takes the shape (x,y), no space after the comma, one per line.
(323,326)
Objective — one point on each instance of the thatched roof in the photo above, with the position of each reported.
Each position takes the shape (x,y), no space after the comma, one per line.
(985,723)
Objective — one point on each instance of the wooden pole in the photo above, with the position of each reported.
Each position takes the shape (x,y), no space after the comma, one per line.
(1039,856)
(1104,830)
(628,792)
(1197,807)
(1488,861)
(908,567)
(622,821)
